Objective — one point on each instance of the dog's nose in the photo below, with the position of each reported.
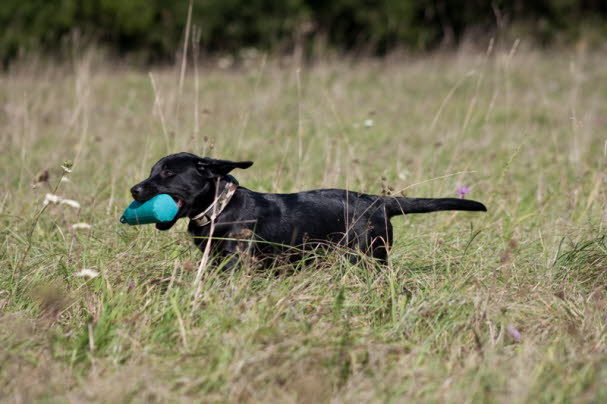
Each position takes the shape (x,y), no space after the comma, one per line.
(136,191)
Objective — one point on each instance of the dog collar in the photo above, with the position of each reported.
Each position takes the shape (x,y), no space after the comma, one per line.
(215,209)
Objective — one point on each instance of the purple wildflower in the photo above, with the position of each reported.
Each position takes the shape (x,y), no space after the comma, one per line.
(461,191)
(514,332)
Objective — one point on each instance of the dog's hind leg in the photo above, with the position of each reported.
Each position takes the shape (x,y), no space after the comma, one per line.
(380,242)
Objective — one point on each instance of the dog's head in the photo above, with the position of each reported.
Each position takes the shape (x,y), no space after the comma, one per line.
(187,178)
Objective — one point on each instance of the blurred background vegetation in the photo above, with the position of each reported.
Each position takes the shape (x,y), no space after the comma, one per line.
(149,31)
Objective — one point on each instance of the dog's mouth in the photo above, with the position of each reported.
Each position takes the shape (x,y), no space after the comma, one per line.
(178,201)
(181,206)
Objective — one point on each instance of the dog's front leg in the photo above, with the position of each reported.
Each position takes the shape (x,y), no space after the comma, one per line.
(238,248)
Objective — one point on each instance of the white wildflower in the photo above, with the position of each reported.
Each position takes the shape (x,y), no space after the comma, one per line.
(81,226)
(65,179)
(403,175)
(56,199)
(87,273)
(70,202)
(66,167)
(368,123)
(50,198)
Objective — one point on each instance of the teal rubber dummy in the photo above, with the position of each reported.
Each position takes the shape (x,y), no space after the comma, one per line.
(161,208)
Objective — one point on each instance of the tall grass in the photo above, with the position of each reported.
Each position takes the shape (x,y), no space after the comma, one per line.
(504,306)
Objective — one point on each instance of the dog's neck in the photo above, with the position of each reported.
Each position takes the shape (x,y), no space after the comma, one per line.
(222,190)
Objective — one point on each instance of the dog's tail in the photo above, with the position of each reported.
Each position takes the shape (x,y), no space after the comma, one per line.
(396,205)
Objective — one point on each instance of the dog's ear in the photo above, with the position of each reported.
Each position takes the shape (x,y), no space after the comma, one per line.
(218,168)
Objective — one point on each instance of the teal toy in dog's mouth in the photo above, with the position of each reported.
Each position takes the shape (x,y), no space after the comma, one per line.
(159,209)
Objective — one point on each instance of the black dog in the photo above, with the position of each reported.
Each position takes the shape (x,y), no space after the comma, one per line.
(264,225)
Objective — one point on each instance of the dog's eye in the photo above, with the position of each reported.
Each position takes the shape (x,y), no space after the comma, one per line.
(166,173)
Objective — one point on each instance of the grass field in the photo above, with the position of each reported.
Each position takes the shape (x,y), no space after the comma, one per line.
(508,306)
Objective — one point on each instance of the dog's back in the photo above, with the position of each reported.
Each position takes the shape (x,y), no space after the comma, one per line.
(336,216)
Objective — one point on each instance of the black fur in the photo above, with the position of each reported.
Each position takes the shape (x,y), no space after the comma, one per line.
(263,225)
